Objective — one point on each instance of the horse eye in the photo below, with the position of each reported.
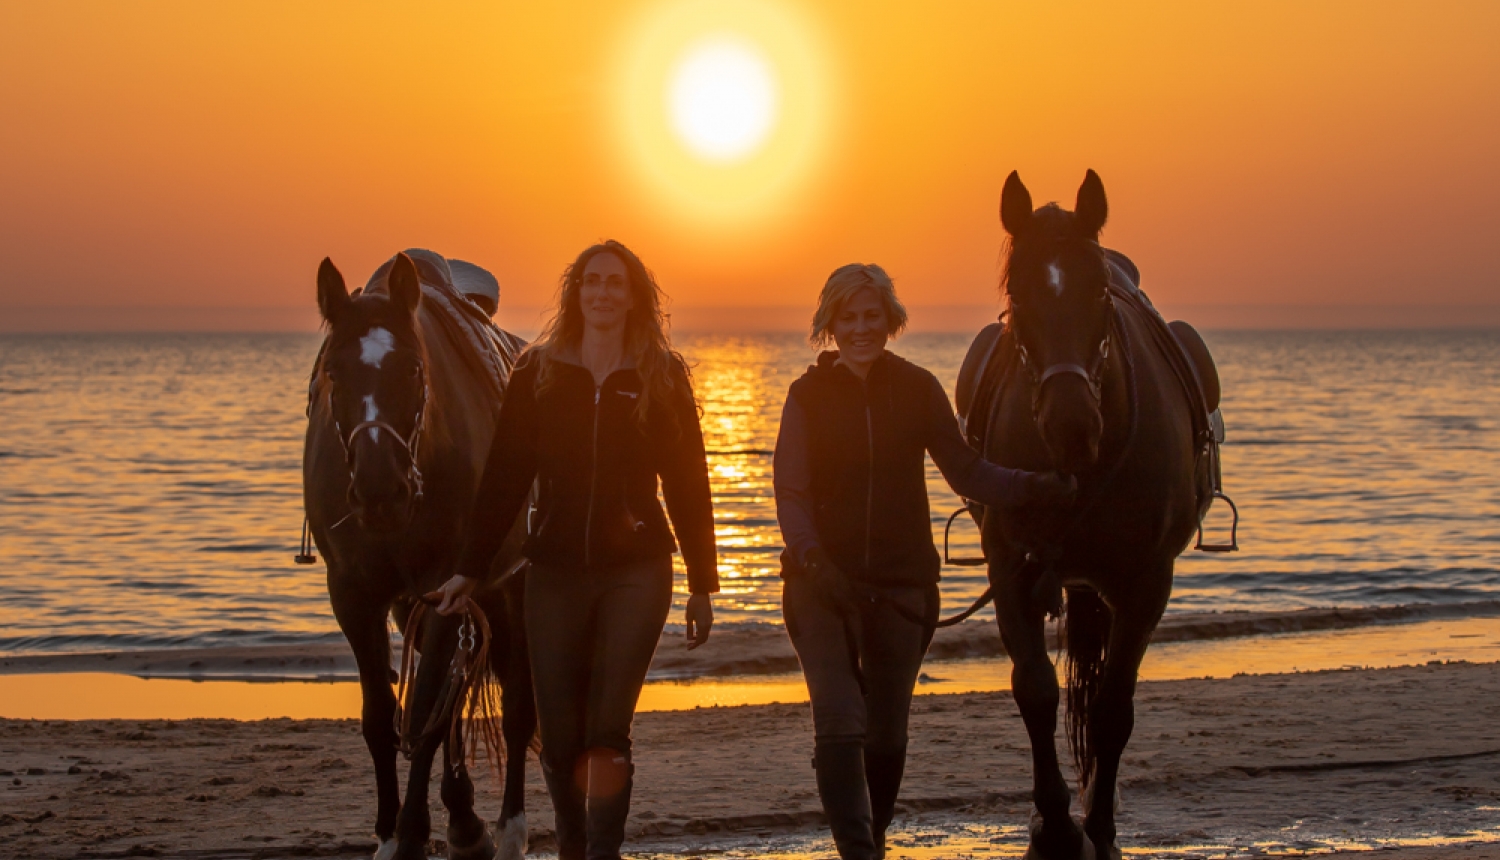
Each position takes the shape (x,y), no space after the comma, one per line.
(416,370)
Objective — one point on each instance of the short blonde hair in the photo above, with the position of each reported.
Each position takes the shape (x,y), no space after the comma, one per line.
(841,287)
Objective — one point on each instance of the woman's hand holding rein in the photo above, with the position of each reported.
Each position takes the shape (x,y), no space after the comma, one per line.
(1050,488)
(453,595)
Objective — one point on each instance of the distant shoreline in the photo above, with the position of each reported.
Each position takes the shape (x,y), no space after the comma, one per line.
(746,649)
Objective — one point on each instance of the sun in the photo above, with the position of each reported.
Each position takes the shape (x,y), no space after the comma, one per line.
(723,98)
(723,107)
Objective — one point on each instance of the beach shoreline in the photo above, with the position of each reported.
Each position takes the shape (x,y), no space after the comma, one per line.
(740,649)
(1271,764)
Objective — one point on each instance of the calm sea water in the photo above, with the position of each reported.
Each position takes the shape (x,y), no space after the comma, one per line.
(150,484)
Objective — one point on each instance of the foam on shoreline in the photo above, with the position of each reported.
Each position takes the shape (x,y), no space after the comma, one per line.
(744,650)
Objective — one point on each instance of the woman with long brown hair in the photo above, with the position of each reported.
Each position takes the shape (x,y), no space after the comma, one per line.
(599,408)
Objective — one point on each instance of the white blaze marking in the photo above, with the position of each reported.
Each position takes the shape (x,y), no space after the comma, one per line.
(372,413)
(375,346)
(1055,277)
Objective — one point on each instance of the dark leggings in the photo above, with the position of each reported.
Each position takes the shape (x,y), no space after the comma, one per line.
(890,646)
(592,635)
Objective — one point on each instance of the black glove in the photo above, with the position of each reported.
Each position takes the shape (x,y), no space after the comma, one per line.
(1050,488)
(830,583)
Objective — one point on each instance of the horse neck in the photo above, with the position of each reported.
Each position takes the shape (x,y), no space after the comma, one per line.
(1119,400)
(455,419)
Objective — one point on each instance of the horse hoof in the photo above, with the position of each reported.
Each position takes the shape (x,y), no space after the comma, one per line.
(1071,844)
(513,838)
(386,850)
(481,849)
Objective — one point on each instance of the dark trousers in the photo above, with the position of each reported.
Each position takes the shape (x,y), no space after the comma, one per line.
(592,635)
(890,649)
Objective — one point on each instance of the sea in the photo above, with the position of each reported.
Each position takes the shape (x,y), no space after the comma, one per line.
(150,484)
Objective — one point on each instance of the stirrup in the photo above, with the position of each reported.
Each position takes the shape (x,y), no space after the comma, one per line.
(306,555)
(1234,528)
(958,562)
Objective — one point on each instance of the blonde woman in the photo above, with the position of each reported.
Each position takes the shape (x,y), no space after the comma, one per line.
(598,409)
(860,597)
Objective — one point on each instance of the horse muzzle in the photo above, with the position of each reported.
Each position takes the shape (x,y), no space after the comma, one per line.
(1069,420)
(384,509)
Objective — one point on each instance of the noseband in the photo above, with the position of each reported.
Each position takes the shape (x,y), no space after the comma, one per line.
(409,444)
(1093,374)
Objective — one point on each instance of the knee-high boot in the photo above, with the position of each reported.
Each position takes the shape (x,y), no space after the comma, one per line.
(569,811)
(883,770)
(840,766)
(611,777)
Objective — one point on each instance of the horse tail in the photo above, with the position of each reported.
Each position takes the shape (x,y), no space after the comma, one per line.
(1086,627)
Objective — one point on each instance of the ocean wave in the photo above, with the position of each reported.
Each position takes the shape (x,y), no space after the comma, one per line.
(739,649)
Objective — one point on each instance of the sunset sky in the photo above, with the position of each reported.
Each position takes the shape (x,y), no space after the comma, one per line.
(186,165)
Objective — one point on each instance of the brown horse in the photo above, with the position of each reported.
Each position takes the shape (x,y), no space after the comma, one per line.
(1084,382)
(402,409)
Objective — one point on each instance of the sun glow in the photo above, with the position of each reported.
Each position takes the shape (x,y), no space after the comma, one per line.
(723,106)
(723,99)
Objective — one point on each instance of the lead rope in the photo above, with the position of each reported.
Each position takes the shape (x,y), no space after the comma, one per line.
(465,695)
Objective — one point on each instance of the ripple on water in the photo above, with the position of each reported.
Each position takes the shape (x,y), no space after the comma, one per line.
(152,483)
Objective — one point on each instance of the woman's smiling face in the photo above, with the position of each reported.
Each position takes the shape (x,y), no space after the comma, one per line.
(861,328)
(604,293)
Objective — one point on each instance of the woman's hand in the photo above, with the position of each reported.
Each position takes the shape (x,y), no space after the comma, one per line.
(699,619)
(454,594)
(1050,488)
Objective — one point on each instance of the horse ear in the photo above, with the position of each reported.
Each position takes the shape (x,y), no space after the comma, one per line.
(1015,204)
(1091,210)
(333,296)
(405,288)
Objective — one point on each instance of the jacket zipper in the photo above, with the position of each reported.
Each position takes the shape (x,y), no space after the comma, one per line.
(588,523)
(869,480)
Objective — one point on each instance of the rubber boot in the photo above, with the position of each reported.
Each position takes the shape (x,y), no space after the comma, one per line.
(611,777)
(840,766)
(883,770)
(570,813)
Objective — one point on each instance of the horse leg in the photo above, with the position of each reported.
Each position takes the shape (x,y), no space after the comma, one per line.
(1111,717)
(518,717)
(363,622)
(1034,686)
(439,639)
(468,838)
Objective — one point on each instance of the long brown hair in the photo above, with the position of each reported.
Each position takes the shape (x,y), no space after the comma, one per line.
(646,342)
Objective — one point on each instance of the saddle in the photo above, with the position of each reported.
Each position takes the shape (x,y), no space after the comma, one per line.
(988,367)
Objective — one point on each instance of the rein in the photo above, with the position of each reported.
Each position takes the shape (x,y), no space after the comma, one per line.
(463,695)
(1048,587)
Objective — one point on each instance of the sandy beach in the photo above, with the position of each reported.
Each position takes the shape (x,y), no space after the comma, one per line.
(1279,764)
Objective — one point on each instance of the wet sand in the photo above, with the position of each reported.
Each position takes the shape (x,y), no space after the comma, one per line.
(1250,765)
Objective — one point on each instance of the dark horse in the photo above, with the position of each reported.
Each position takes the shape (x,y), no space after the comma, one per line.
(1087,381)
(402,411)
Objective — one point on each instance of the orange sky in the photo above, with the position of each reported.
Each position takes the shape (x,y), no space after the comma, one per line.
(174,165)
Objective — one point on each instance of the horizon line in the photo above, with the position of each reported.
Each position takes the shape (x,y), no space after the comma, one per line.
(744,319)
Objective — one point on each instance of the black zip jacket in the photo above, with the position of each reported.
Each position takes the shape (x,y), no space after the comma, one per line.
(851,470)
(597,475)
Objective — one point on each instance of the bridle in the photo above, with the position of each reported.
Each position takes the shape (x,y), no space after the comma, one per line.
(409,444)
(1093,374)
